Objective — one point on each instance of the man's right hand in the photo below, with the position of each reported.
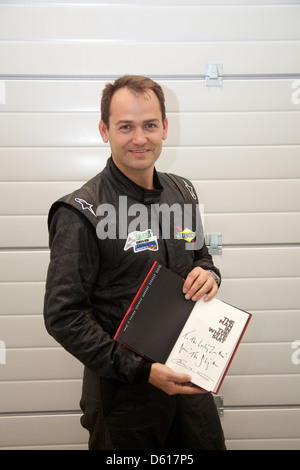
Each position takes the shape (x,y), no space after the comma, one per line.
(171,382)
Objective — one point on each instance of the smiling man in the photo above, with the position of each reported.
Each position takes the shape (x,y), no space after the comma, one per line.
(135,130)
(128,403)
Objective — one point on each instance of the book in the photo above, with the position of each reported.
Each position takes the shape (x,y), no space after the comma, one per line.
(199,338)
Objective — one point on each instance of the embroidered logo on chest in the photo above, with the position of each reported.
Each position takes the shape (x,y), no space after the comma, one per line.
(141,241)
(186,234)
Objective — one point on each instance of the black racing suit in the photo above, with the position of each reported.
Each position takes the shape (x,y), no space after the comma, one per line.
(90,284)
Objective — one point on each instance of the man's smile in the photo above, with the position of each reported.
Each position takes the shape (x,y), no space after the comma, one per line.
(140,151)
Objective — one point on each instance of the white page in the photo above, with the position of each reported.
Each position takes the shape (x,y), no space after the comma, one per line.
(207,342)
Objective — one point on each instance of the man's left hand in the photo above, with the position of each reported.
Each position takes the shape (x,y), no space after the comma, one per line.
(198,283)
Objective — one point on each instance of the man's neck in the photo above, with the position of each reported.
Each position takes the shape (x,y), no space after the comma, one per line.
(143,178)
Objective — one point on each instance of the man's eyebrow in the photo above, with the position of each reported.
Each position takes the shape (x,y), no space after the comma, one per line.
(152,120)
(123,122)
(131,122)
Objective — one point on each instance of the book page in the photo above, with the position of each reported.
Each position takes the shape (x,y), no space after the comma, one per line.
(207,342)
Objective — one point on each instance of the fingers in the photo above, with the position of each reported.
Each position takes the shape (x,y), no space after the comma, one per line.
(198,283)
(181,384)
(187,389)
(172,383)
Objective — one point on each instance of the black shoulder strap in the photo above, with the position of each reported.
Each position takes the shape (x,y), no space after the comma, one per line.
(185,187)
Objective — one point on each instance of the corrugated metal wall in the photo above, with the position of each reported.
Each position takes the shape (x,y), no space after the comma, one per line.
(238,143)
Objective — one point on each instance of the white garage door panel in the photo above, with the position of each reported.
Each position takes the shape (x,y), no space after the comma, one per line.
(234,95)
(189,95)
(74,164)
(49,129)
(118,58)
(221,163)
(56,363)
(192,23)
(260,390)
(264,444)
(23,231)
(40,396)
(31,231)
(239,144)
(167,2)
(40,364)
(273,325)
(12,328)
(22,298)
(69,129)
(250,229)
(66,429)
(262,423)
(58,395)
(199,163)
(59,447)
(251,294)
(54,95)
(36,197)
(54,164)
(248,196)
(279,261)
(216,196)
(233,129)
(267,358)
(266,294)
(24,265)
(266,326)
(39,430)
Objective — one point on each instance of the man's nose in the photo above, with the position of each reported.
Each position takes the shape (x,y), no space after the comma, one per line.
(139,137)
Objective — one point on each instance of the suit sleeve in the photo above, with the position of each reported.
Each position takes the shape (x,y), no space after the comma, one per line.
(68,310)
(202,257)
(204,260)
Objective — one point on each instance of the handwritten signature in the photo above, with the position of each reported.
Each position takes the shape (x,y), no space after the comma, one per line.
(198,355)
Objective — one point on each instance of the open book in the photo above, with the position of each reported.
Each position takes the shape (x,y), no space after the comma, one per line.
(199,338)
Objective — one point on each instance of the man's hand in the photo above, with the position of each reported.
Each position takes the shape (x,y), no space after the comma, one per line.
(171,382)
(198,283)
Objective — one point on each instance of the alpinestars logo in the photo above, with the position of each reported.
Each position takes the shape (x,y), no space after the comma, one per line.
(190,190)
(85,205)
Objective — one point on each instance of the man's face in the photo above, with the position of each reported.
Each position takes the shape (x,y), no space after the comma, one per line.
(136,131)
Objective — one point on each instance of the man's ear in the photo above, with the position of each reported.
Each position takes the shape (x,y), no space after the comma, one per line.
(103,131)
(165,128)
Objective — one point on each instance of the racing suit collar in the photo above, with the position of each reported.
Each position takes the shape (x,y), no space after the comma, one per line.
(126,185)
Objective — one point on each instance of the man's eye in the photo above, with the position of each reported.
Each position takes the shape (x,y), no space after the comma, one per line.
(150,126)
(126,127)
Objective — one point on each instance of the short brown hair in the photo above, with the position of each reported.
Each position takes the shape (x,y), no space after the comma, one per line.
(137,84)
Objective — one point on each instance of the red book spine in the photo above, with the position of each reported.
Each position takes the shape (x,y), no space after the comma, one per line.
(135,298)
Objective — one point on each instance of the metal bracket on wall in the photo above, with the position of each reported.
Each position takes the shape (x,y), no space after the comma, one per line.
(214,74)
(218,399)
(214,243)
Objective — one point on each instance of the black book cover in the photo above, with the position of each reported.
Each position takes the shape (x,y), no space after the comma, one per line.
(158,308)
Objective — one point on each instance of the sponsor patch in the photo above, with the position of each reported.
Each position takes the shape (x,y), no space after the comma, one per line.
(141,241)
(186,234)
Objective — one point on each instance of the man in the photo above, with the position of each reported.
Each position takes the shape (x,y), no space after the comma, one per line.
(127,402)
